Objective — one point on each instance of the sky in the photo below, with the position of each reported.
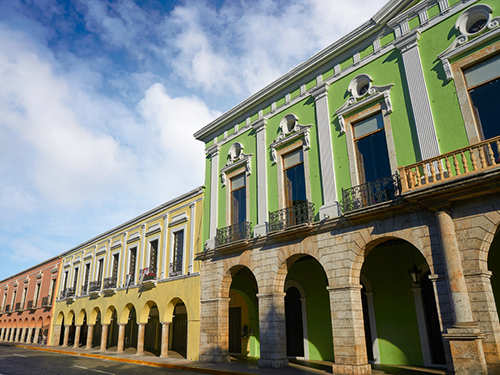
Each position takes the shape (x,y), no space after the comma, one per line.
(99,101)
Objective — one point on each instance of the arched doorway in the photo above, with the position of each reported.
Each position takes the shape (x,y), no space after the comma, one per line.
(152,334)
(97,333)
(131,331)
(401,321)
(61,335)
(307,310)
(112,339)
(178,334)
(83,330)
(243,313)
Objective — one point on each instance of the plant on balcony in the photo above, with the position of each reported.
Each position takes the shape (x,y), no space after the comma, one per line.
(149,276)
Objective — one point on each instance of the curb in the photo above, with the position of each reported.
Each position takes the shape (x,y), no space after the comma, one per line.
(137,361)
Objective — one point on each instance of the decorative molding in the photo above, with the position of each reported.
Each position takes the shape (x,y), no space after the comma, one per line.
(134,237)
(361,98)
(177,219)
(39,276)
(213,150)
(116,244)
(155,228)
(462,44)
(237,158)
(290,130)
(102,250)
(26,281)
(54,270)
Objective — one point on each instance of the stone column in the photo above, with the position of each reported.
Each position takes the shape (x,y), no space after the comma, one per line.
(23,335)
(214,330)
(140,338)
(57,334)
(8,335)
(419,97)
(272,330)
(66,335)
(76,344)
(37,333)
(465,340)
(213,151)
(104,337)
(348,330)
(165,326)
(18,335)
(30,333)
(262,154)
(330,206)
(90,334)
(2,331)
(121,337)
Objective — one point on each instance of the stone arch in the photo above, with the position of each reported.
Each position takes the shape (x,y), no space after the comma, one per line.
(143,317)
(123,318)
(109,313)
(231,267)
(169,310)
(81,317)
(491,228)
(71,318)
(60,318)
(39,322)
(364,248)
(32,323)
(93,316)
(25,323)
(286,263)
(295,284)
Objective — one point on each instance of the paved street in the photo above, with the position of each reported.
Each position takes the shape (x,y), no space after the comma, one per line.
(18,361)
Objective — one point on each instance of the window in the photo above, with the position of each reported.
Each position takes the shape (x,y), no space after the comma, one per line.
(178,253)
(37,294)
(13,300)
(294,179)
(483,84)
(4,301)
(131,268)
(153,256)
(86,279)
(238,199)
(65,285)
(371,149)
(75,279)
(114,272)
(23,298)
(100,269)
(51,290)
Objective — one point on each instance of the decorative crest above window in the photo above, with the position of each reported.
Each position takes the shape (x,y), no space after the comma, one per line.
(475,26)
(237,158)
(290,130)
(363,93)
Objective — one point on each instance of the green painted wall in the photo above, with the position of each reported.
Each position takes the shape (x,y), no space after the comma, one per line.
(310,274)
(397,329)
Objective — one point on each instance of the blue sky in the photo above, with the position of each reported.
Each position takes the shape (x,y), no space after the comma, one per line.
(99,100)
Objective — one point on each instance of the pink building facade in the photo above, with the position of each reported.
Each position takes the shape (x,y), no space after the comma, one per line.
(26,303)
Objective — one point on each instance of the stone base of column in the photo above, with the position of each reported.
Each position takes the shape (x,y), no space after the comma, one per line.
(329,210)
(273,363)
(351,369)
(466,344)
(215,358)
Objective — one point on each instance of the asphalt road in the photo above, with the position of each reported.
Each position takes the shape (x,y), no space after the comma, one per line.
(19,361)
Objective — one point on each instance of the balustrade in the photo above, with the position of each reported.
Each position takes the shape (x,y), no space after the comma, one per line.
(370,193)
(233,233)
(300,213)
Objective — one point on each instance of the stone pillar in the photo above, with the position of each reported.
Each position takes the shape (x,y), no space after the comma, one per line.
(104,337)
(419,97)
(165,326)
(76,344)
(213,151)
(57,334)
(8,335)
(465,340)
(214,330)
(262,154)
(140,338)
(272,330)
(2,331)
(23,335)
(90,334)
(348,330)
(37,333)
(30,333)
(121,337)
(330,207)
(18,335)
(66,336)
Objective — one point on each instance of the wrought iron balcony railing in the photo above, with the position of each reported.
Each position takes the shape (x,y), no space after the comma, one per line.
(462,162)
(233,233)
(300,213)
(68,292)
(46,301)
(7,308)
(94,286)
(175,269)
(109,283)
(18,306)
(373,192)
(85,290)
(30,305)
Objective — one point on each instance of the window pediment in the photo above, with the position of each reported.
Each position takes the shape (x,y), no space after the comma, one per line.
(237,158)
(363,93)
(475,26)
(290,131)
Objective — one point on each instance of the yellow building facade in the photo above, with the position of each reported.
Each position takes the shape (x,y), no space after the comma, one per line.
(135,288)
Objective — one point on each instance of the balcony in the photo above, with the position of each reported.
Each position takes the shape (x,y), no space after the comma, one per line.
(95,288)
(147,278)
(7,309)
(46,301)
(68,294)
(31,305)
(109,285)
(457,164)
(298,214)
(175,269)
(18,306)
(85,290)
(373,192)
(233,233)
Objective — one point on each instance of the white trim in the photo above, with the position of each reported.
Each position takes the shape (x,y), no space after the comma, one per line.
(136,270)
(178,219)
(158,255)
(192,238)
(262,204)
(172,235)
(214,165)
(134,237)
(283,138)
(164,246)
(155,228)
(111,259)
(116,244)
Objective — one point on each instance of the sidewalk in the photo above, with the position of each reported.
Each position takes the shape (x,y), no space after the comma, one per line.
(235,367)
